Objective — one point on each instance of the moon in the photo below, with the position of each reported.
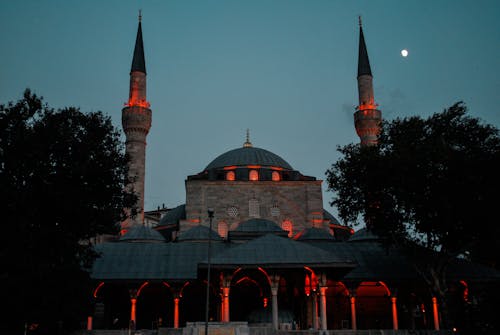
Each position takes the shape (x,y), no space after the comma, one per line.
(404,53)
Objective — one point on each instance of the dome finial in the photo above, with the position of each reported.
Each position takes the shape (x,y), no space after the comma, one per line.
(248,144)
(140,15)
(359,20)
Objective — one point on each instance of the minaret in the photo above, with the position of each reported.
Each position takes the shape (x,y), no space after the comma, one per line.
(367,117)
(136,121)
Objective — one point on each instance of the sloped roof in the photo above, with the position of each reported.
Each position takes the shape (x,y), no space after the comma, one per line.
(313,233)
(142,234)
(276,251)
(150,261)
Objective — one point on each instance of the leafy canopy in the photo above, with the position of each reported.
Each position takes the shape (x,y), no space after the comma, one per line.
(430,182)
(62,175)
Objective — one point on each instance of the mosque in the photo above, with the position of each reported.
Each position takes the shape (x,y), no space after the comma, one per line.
(253,235)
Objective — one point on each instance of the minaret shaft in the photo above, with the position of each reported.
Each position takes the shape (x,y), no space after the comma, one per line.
(367,118)
(136,122)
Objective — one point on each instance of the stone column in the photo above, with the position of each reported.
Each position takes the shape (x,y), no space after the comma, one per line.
(394,313)
(226,286)
(275,281)
(89,323)
(133,300)
(132,310)
(176,311)
(322,301)
(353,312)
(435,313)
(315,309)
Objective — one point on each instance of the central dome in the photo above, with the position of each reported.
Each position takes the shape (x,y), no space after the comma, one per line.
(248,156)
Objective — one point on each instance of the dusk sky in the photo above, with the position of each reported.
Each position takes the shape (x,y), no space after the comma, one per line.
(284,69)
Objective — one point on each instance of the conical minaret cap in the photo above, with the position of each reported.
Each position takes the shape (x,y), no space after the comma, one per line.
(363,61)
(138,62)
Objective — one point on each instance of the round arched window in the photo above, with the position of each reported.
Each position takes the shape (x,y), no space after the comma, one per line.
(253,175)
(222,229)
(230,175)
(276,176)
(288,226)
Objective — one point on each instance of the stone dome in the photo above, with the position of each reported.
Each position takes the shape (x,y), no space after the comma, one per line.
(142,234)
(248,156)
(198,233)
(258,225)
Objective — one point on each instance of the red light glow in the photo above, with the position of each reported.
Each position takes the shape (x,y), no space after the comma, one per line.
(142,286)
(230,175)
(253,175)
(97,289)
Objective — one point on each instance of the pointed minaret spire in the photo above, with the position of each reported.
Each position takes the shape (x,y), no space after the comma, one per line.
(367,118)
(247,143)
(138,63)
(136,121)
(363,61)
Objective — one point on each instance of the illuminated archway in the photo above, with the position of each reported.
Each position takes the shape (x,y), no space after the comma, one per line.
(249,295)
(112,306)
(338,311)
(373,306)
(193,301)
(154,306)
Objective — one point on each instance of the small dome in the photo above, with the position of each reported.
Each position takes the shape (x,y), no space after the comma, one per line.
(362,235)
(142,234)
(313,233)
(248,156)
(258,225)
(198,233)
(173,216)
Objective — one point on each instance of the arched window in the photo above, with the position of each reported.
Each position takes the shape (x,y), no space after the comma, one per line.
(230,175)
(253,208)
(222,229)
(287,225)
(253,175)
(276,176)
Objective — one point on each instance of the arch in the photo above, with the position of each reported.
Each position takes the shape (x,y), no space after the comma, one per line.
(222,229)
(249,293)
(339,309)
(230,176)
(287,225)
(373,305)
(154,306)
(275,176)
(253,175)
(112,306)
(192,304)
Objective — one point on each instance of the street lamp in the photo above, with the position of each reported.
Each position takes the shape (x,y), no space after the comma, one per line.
(210,217)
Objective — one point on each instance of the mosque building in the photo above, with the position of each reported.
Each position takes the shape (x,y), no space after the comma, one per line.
(253,231)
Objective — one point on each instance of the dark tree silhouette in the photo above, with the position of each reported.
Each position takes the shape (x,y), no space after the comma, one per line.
(430,187)
(62,175)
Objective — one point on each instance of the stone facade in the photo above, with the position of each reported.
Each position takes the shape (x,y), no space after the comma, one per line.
(299,202)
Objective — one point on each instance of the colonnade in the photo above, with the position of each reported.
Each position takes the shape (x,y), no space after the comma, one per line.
(319,293)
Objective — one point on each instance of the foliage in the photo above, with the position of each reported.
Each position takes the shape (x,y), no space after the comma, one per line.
(430,187)
(62,175)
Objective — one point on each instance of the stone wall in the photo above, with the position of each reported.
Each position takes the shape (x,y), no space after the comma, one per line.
(236,201)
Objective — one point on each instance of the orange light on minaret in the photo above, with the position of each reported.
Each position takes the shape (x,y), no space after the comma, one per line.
(367,117)
(136,122)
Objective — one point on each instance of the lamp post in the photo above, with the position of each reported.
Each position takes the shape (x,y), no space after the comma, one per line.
(210,217)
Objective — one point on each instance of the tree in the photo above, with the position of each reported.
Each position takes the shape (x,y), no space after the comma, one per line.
(430,187)
(62,175)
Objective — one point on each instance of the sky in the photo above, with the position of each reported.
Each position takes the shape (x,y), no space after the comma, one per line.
(285,69)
